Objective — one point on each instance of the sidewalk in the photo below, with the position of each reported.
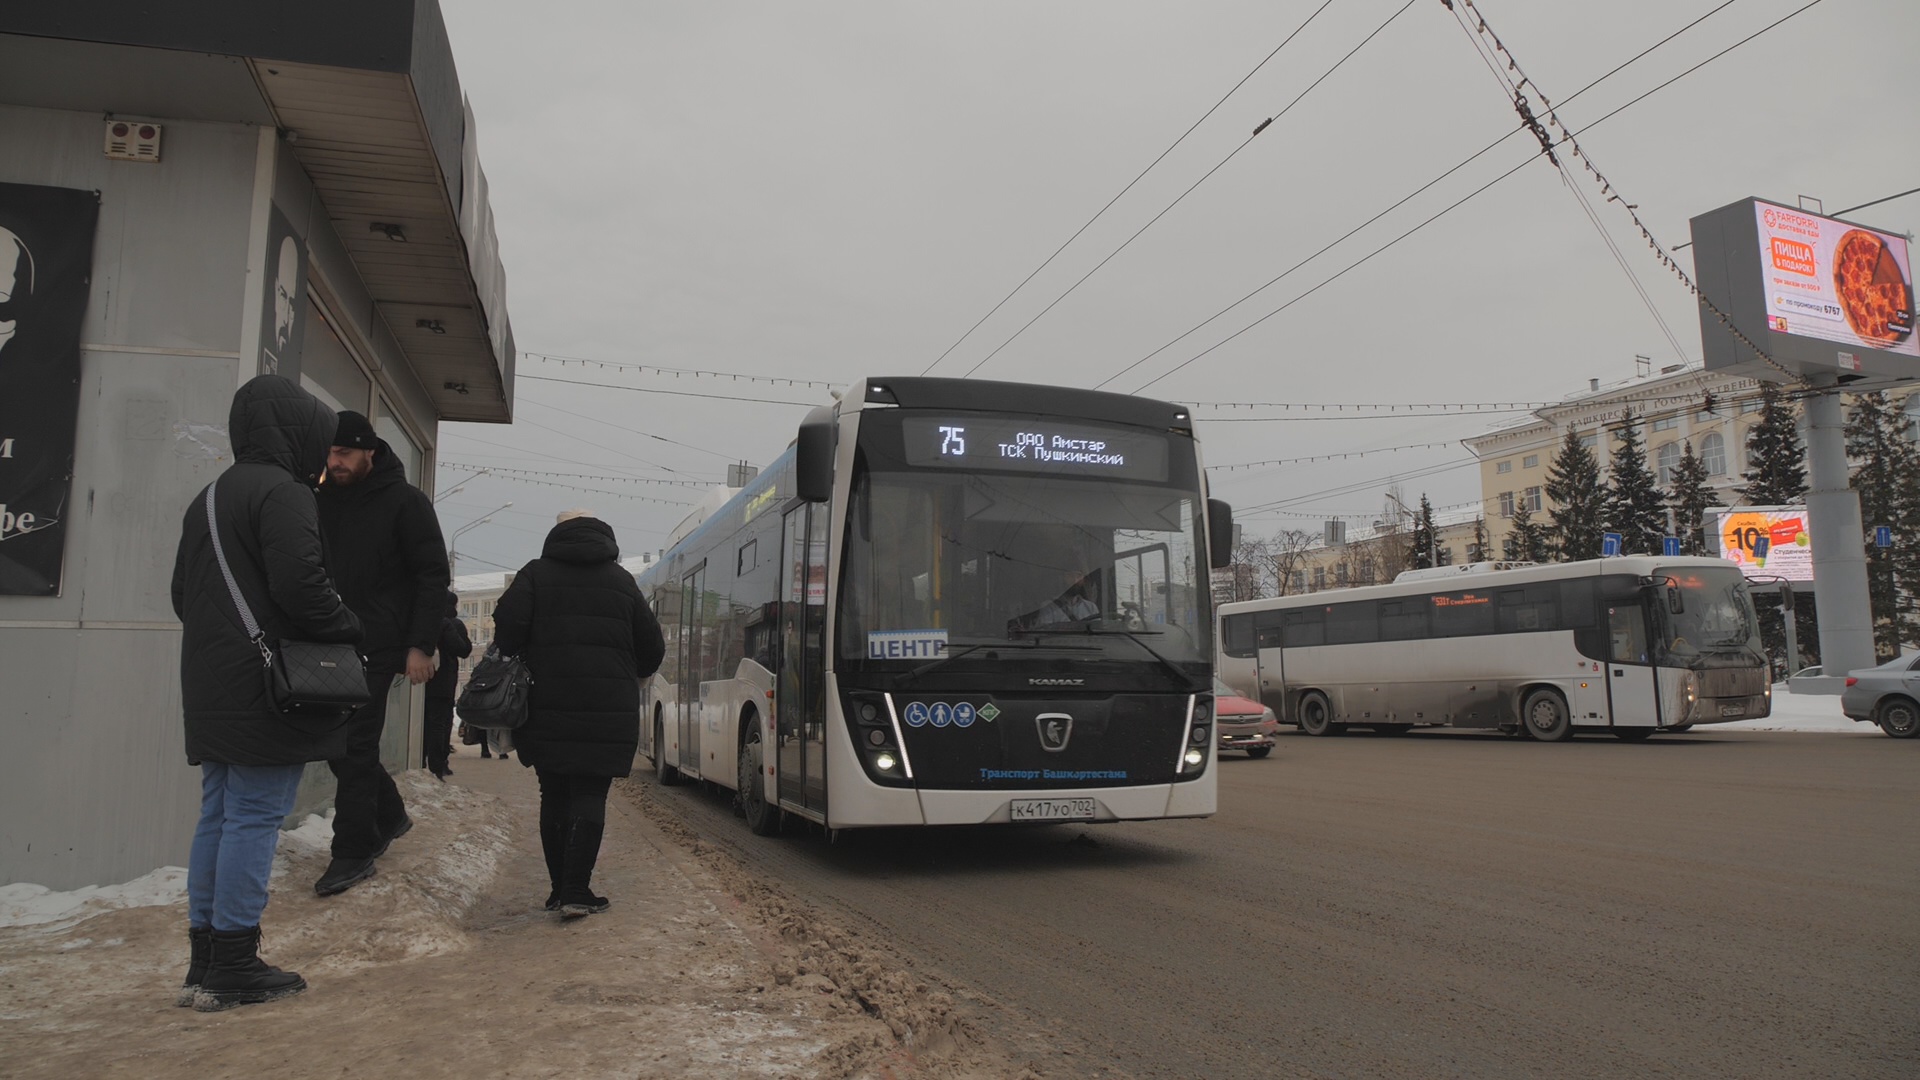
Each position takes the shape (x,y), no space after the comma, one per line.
(443,967)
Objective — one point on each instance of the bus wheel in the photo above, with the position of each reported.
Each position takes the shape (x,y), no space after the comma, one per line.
(1678,728)
(1258,752)
(1316,716)
(1899,718)
(1633,734)
(663,772)
(1546,716)
(762,818)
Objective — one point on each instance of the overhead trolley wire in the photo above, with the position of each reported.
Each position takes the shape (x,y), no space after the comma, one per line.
(1476,192)
(1568,138)
(1514,91)
(1470,159)
(1129,187)
(1264,124)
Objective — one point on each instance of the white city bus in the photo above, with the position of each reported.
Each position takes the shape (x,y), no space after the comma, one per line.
(950,602)
(1630,646)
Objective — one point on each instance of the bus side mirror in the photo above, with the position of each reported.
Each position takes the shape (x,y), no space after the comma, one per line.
(1675,603)
(1219,533)
(813,456)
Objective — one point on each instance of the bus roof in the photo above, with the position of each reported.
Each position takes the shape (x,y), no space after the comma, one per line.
(1627,564)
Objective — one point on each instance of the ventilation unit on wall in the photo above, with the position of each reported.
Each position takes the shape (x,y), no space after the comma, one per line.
(129,140)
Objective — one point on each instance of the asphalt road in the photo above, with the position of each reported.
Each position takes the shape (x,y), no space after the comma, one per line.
(1449,904)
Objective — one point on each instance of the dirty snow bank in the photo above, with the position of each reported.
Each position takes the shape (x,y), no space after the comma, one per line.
(25,904)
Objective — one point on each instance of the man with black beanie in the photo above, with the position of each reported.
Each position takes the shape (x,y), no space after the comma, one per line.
(384,549)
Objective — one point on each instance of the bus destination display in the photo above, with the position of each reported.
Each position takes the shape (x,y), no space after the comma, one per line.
(1017,444)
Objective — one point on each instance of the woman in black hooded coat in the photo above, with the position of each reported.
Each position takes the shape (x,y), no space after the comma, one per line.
(588,637)
(250,756)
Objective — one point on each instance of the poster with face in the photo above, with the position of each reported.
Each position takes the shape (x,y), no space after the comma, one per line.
(46,266)
(282,321)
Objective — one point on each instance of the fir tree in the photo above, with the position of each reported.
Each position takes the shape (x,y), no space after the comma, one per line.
(1575,497)
(1691,496)
(1480,552)
(1876,439)
(1635,507)
(1777,475)
(1527,541)
(1421,544)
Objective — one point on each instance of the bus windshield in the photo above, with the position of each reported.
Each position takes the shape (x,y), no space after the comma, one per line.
(1716,615)
(1082,567)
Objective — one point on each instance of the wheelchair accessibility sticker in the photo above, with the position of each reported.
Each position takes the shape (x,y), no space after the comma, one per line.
(943,714)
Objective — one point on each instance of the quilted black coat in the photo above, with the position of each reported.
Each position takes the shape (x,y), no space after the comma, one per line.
(271,534)
(589,638)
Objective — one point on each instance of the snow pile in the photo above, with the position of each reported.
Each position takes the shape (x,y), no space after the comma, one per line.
(414,904)
(1798,712)
(36,905)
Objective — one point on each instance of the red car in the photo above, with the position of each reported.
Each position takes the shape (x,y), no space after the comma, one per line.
(1244,724)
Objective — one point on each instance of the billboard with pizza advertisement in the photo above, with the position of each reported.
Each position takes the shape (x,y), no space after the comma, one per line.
(1818,295)
(1834,281)
(1767,541)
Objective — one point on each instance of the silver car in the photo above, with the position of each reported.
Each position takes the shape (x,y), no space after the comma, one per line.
(1888,695)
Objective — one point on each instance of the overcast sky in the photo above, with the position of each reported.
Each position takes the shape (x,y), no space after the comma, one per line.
(827,191)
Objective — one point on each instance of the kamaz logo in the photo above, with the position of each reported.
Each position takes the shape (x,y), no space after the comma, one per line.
(1056,682)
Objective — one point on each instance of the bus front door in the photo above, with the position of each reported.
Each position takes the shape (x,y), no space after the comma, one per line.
(1632,692)
(800,694)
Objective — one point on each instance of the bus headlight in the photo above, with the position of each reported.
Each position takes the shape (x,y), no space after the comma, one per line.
(884,762)
(1195,757)
(1690,690)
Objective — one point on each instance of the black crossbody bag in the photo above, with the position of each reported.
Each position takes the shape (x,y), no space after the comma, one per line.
(306,680)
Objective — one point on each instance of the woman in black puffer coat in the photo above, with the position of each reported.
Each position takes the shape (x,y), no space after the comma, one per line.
(250,756)
(588,637)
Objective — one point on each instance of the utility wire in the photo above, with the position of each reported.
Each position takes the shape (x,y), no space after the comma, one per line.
(697,373)
(1129,187)
(1264,124)
(1513,91)
(1503,176)
(670,393)
(1470,159)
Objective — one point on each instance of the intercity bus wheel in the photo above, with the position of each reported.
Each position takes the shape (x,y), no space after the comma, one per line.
(1545,713)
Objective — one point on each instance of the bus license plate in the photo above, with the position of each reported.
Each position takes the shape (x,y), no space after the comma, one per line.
(1050,809)
(1733,710)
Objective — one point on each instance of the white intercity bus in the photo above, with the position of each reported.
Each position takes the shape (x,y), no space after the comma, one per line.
(1629,646)
(950,602)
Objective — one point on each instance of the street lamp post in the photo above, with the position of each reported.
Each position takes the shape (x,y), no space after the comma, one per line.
(454,541)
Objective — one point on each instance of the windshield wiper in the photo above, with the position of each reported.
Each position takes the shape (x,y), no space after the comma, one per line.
(975,647)
(1130,635)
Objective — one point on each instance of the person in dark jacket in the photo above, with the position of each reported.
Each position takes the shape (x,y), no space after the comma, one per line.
(455,646)
(390,563)
(588,637)
(250,756)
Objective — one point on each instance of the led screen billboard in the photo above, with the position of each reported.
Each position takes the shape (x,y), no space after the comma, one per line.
(1837,282)
(1767,541)
(1817,294)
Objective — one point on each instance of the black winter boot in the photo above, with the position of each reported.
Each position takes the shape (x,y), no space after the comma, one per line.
(583,850)
(200,941)
(237,976)
(553,845)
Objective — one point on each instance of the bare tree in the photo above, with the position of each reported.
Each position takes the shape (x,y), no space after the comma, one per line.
(1289,550)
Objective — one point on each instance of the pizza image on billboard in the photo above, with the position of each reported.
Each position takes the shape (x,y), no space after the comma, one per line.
(1835,281)
(1874,294)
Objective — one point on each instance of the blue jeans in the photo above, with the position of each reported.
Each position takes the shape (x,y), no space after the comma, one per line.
(241,808)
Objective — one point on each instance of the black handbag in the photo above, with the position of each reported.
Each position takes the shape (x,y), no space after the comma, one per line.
(495,697)
(315,681)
